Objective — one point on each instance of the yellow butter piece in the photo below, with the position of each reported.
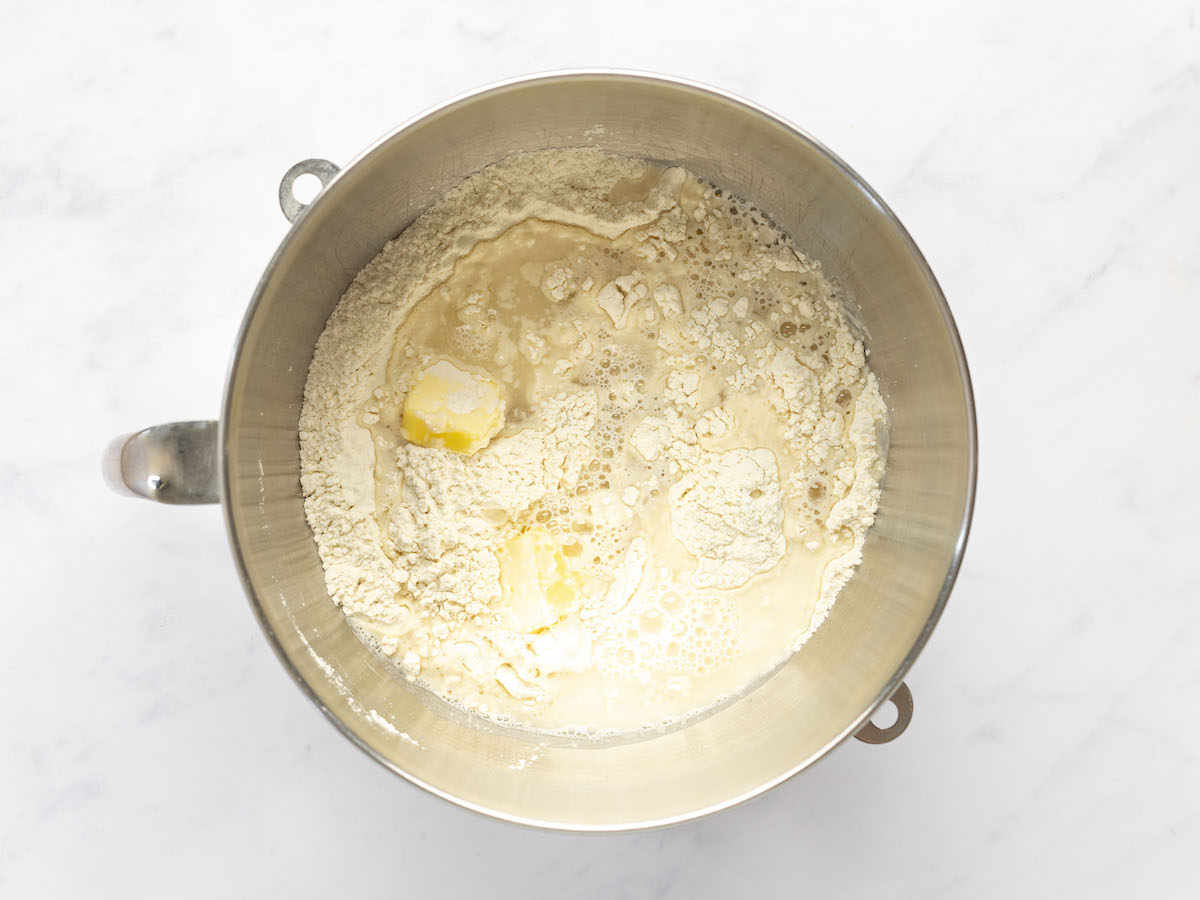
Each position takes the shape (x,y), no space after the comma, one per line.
(537,587)
(452,409)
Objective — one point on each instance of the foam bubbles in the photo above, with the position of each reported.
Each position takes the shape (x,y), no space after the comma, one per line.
(663,634)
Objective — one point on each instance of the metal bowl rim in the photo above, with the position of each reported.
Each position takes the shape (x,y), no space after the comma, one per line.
(853,178)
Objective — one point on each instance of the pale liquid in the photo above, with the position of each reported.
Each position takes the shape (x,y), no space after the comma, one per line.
(675,650)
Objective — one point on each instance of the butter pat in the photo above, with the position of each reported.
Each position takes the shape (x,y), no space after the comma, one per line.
(452,409)
(536,587)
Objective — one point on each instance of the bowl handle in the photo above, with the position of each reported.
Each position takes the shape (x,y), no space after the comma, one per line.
(292,205)
(171,463)
(873,734)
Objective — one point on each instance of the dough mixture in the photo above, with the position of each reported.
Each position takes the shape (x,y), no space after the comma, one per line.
(590,447)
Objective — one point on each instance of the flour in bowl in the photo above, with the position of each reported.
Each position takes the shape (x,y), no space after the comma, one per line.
(590,447)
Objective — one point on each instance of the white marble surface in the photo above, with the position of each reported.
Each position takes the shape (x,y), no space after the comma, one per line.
(1046,156)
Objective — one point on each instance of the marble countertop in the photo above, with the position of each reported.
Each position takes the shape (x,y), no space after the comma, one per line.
(1046,157)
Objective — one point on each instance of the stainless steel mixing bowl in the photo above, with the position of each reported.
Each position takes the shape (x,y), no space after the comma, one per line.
(827,692)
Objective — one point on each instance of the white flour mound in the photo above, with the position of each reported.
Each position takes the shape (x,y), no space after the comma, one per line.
(337,456)
(446,529)
(728,513)
(738,428)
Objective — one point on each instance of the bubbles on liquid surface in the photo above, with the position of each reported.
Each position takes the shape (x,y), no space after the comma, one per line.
(673,630)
